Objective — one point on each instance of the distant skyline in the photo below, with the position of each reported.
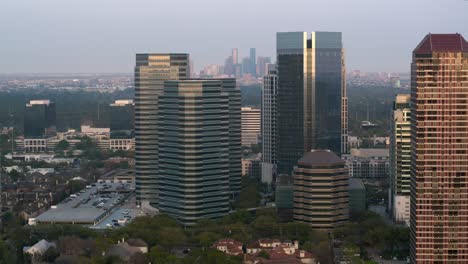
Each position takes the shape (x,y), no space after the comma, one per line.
(53,36)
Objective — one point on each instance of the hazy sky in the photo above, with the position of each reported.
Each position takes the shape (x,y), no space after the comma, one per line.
(40,36)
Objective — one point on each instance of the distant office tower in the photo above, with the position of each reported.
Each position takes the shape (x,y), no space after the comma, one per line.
(151,71)
(312,102)
(229,66)
(439,150)
(400,159)
(40,119)
(250,124)
(269,129)
(122,120)
(194,149)
(235,56)
(321,190)
(246,66)
(262,63)
(253,64)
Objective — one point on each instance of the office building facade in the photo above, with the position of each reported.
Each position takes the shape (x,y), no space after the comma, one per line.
(321,196)
(122,119)
(312,102)
(194,146)
(40,120)
(253,62)
(250,123)
(151,70)
(400,159)
(439,150)
(269,128)
(367,163)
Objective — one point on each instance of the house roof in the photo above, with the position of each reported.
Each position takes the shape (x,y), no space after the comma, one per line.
(442,43)
(137,242)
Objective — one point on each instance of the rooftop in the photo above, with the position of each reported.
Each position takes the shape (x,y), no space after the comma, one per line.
(442,43)
(355,183)
(89,206)
(320,157)
(369,152)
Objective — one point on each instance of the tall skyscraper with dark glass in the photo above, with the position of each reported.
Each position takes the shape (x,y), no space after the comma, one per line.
(253,62)
(269,127)
(151,71)
(40,119)
(311,100)
(439,150)
(194,149)
(122,121)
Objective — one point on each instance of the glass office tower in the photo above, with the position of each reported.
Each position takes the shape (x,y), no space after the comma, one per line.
(269,127)
(40,119)
(311,100)
(151,71)
(194,149)
(122,119)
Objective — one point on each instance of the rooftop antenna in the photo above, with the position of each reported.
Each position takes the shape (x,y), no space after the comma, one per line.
(98,112)
(367,110)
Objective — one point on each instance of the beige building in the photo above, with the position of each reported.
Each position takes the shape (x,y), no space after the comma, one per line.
(439,150)
(250,123)
(321,196)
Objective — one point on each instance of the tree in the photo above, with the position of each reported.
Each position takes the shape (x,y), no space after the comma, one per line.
(62,145)
(263,254)
(50,255)
(265,226)
(15,175)
(139,258)
(159,255)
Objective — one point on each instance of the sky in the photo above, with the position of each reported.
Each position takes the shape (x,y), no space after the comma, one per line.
(102,36)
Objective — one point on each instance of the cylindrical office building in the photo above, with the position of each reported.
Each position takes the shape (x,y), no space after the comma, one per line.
(321,196)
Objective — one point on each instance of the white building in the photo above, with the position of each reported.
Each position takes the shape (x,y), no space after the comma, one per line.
(268,165)
(400,159)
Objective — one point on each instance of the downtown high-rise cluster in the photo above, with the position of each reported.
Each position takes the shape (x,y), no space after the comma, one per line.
(188,139)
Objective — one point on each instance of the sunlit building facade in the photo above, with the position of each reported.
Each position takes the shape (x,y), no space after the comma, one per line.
(400,159)
(439,150)
(250,123)
(151,71)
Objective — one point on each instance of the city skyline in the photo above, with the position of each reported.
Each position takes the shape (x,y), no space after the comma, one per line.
(90,40)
